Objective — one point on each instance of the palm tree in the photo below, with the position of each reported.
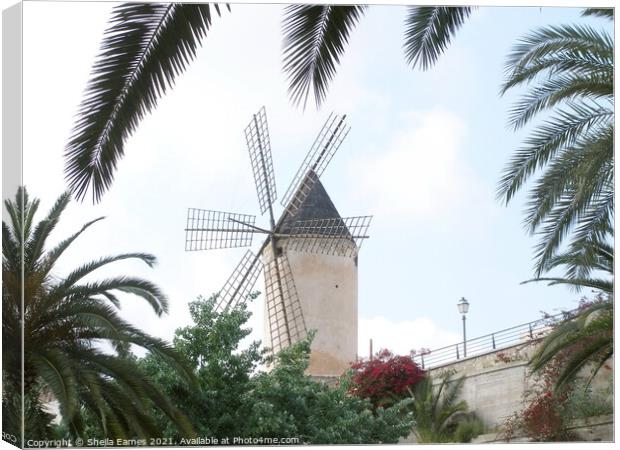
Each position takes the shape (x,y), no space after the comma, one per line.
(435,406)
(569,70)
(148,45)
(315,37)
(580,263)
(585,340)
(65,323)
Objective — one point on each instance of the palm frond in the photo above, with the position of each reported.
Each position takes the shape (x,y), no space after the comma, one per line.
(54,369)
(433,406)
(586,167)
(429,30)
(607,13)
(581,259)
(582,358)
(315,37)
(90,267)
(594,283)
(571,210)
(146,47)
(65,321)
(34,245)
(563,40)
(546,140)
(53,254)
(597,220)
(136,286)
(18,210)
(11,255)
(585,339)
(557,89)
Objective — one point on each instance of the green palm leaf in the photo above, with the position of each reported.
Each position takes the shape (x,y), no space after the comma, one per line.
(314,39)
(428,31)
(54,369)
(547,140)
(594,283)
(136,286)
(90,267)
(65,322)
(145,48)
(52,255)
(586,340)
(573,41)
(599,12)
(564,87)
(434,407)
(34,243)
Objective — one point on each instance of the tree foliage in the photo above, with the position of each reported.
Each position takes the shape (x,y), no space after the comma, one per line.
(235,398)
(148,45)
(581,264)
(145,48)
(569,72)
(580,342)
(434,407)
(66,323)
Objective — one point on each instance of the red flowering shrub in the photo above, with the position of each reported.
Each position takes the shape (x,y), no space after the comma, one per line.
(385,378)
(544,417)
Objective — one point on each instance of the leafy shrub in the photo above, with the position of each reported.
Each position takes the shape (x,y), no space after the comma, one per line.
(385,379)
(436,408)
(544,416)
(468,429)
(235,398)
(583,402)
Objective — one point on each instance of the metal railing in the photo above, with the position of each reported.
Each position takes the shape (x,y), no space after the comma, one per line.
(508,337)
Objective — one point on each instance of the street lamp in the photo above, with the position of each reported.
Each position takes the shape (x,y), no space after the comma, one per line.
(463,306)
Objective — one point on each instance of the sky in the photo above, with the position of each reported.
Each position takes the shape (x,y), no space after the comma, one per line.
(424,156)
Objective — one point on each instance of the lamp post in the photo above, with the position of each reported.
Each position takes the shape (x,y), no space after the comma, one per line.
(463,306)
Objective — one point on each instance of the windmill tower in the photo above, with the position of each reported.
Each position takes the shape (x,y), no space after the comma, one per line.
(309,256)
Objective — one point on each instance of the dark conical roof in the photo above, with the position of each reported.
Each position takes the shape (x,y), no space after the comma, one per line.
(317,205)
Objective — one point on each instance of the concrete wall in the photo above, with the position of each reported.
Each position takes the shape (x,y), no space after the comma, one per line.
(592,429)
(494,388)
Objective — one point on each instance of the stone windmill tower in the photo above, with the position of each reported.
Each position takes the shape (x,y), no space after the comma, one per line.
(309,257)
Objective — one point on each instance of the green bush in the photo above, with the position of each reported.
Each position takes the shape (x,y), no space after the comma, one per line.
(583,402)
(468,429)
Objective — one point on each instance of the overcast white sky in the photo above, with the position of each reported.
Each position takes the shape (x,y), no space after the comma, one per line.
(423,156)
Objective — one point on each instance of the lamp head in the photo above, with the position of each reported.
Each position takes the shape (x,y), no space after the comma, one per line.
(463,306)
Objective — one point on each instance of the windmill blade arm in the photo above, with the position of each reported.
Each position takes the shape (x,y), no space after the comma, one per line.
(326,144)
(259,147)
(340,236)
(240,283)
(285,319)
(206,229)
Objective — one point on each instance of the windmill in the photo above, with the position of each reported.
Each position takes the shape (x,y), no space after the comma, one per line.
(309,224)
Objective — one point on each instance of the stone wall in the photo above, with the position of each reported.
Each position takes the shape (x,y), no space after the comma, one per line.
(591,429)
(493,388)
(496,381)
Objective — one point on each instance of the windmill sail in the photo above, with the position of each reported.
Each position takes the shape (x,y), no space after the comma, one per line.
(259,147)
(341,236)
(317,227)
(240,283)
(286,323)
(207,229)
(326,144)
